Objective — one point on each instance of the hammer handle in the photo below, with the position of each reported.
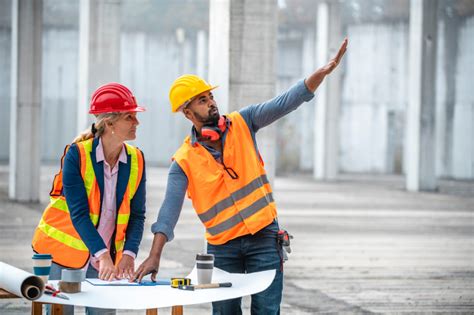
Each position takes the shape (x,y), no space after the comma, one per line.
(213,285)
(205,286)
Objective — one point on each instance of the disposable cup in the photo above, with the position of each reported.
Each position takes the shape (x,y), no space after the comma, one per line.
(204,267)
(42,266)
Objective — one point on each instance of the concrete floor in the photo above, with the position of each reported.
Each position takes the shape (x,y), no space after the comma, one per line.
(362,244)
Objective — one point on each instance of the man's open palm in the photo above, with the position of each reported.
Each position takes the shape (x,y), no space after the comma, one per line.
(332,64)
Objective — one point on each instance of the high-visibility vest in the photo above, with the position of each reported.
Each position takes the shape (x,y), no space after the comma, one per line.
(228,207)
(55,233)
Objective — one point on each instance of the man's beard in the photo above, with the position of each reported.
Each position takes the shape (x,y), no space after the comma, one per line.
(210,120)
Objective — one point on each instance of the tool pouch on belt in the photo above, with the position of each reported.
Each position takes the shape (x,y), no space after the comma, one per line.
(284,240)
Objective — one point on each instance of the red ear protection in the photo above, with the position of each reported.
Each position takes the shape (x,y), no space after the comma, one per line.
(212,132)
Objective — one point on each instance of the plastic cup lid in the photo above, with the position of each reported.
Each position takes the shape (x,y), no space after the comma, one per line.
(42,256)
(205,257)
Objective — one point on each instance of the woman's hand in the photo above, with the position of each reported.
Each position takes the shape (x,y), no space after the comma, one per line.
(126,267)
(107,269)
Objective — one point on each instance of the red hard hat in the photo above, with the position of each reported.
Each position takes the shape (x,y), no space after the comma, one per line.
(113,97)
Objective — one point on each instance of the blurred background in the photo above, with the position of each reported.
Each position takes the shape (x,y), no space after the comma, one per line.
(159,40)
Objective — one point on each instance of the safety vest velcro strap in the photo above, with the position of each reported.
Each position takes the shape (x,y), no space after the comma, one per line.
(243,214)
(62,237)
(57,188)
(235,196)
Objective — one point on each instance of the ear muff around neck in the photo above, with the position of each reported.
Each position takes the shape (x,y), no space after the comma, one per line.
(213,132)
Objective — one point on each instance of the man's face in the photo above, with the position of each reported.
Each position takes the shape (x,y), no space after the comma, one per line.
(202,110)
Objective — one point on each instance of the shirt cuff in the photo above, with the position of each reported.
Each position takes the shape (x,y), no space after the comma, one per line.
(157,227)
(100,252)
(305,93)
(130,253)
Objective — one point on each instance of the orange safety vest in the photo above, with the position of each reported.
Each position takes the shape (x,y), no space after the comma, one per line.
(55,233)
(228,207)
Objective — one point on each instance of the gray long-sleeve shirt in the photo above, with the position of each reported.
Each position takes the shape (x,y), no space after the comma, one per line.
(256,116)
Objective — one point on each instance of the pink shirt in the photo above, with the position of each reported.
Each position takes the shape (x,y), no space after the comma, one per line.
(108,212)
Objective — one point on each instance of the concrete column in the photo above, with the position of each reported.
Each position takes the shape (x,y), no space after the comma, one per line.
(451,35)
(328,96)
(420,135)
(242,50)
(306,141)
(201,56)
(25,114)
(99,50)
(219,50)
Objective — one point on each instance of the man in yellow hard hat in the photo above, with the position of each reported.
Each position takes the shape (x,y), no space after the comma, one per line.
(220,167)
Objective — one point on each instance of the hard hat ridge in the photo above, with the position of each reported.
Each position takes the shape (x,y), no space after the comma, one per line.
(113,97)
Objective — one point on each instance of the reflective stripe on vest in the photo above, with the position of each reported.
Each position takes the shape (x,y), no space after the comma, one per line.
(60,204)
(87,170)
(228,207)
(55,233)
(123,216)
(243,214)
(62,237)
(237,195)
(134,169)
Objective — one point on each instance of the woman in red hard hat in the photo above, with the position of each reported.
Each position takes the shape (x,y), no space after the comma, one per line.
(96,214)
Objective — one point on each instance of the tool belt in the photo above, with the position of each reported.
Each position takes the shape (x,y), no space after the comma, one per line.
(284,240)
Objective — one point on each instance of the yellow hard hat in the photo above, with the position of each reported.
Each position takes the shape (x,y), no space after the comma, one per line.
(185,88)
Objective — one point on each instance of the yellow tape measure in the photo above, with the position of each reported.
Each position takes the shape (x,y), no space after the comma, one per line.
(176,282)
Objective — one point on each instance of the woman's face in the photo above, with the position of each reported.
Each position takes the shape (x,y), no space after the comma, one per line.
(125,127)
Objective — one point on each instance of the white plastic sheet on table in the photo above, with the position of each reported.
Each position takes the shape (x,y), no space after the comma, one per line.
(20,282)
(145,297)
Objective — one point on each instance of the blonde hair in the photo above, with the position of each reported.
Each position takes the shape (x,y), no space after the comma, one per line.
(98,128)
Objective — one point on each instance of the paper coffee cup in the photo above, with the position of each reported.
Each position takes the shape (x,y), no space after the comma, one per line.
(42,266)
(204,267)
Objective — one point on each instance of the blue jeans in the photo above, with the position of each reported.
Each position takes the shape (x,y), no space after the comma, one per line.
(246,254)
(55,274)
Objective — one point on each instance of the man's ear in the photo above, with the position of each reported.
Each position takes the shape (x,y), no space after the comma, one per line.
(187,113)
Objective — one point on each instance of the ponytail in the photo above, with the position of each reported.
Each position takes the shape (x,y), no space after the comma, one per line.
(83,136)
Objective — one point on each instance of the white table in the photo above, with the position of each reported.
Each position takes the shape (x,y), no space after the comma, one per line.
(150,298)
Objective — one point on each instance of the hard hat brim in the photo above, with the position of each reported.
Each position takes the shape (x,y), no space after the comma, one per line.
(182,105)
(136,109)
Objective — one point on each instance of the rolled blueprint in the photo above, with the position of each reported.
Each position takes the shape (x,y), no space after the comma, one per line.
(20,282)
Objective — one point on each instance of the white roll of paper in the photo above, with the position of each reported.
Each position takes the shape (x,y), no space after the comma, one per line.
(20,282)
